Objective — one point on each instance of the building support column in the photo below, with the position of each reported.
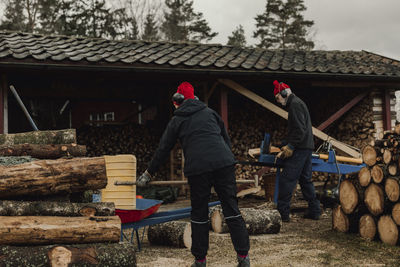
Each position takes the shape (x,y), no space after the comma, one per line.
(224,106)
(3,104)
(387,117)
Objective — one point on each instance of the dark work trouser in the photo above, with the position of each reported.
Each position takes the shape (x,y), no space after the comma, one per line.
(297,168)
(224,183)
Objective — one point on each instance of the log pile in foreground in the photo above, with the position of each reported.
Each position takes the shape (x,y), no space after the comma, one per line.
(370,199)
(56,233)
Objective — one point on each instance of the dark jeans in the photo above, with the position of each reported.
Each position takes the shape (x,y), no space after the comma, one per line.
(224,183)
(297,168)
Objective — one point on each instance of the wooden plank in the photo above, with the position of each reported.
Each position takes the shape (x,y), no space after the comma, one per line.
(341,111)
(386,111)
(265,103)
(224,107)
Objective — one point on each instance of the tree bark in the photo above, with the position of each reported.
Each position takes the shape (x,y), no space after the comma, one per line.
(49,177)
(53,151)
(374,199)
(388,230)
(98,254)
(45,208)
(67,136)
(174,233)
(367,227)
(39,230)
(258,221)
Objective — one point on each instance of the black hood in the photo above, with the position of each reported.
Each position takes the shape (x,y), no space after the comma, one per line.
(189,107)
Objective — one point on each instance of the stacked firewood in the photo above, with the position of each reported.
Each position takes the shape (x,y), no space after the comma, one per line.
(39,226)
(369,200)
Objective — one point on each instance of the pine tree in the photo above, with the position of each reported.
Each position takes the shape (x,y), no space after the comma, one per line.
(282,25)
(92,18)
(19,15)
(183,24)
(237,38)
(150,32)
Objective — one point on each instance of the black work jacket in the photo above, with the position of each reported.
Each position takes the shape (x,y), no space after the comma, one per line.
(300,134)
(202,134)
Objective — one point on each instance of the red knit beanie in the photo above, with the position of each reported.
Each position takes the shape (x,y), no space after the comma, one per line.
(186,89)
(279,87)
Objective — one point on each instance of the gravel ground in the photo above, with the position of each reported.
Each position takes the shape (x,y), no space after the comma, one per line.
(301,242)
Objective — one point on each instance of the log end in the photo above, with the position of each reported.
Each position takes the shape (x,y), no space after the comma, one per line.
(388,231)
(367,227)
(348,196)
(340,222)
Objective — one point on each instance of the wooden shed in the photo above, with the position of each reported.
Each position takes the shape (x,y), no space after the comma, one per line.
(73,82)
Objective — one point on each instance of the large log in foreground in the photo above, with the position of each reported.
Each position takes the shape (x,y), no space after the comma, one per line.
(67,136)
(49,177)
(43,151)
(35,230)
(174,233)
(258,221)
(47,208)
(98,254)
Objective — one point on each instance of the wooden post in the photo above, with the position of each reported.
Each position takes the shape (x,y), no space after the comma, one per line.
(387,118)
(3,105)
(224,106)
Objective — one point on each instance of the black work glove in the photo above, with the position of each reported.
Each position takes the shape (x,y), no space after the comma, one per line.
(144,179)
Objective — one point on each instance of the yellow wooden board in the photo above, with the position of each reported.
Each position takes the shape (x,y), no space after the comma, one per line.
(120,168)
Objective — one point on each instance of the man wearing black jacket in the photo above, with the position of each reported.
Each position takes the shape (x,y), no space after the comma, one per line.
(208,162)
(296,152)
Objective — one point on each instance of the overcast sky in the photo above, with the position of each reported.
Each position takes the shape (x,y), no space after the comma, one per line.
(372,25)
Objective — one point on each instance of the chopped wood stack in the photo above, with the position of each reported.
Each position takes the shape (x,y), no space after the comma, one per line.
(370,199)
(56,232)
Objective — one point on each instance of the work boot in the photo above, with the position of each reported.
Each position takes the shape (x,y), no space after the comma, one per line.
(199,263)
(309,215)
(243,262)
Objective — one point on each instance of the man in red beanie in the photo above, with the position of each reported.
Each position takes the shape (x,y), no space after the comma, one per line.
(209,162)
(296,152)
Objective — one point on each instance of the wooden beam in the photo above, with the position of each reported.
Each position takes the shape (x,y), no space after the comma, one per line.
(277,110)
(210,92)
(341,111)
(224,106)
(387,118)
(3,104)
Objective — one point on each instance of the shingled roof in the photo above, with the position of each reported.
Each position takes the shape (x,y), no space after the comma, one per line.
(36,49)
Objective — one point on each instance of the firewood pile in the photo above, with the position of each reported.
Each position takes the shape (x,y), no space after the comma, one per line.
(39,226)
(369,199)
(138,140)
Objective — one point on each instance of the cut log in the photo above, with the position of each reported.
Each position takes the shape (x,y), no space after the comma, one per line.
(367,227)
(387,156)
(377,173)
(174,233)
(49,177)
(374,199)
(45,208)
(349,196)
(369,155)
(67,136)
(258,221)
(43,151)
(340,222)
(392,188)
(40,230)
(98,254)
(392,169)
(396,213)
(388,230)
(364,176)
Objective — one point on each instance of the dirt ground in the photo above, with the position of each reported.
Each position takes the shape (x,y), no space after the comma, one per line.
(301,242)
